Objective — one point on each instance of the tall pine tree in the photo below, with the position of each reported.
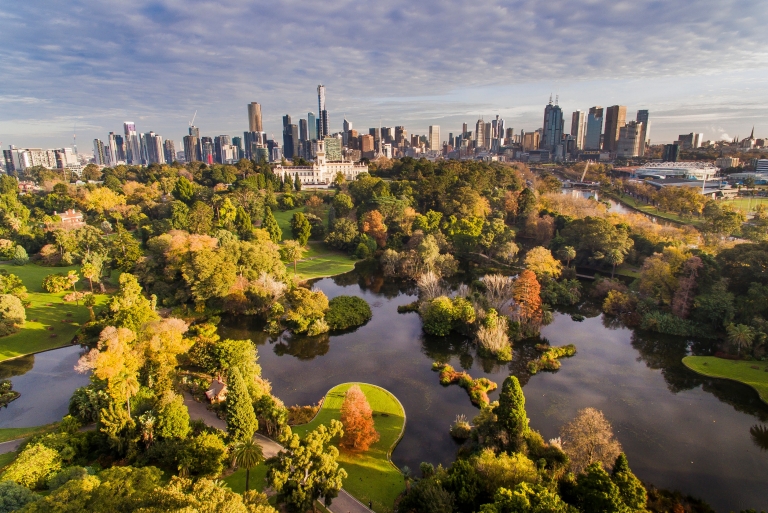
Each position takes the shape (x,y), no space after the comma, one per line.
(241,419)
(270,224)
(511,412)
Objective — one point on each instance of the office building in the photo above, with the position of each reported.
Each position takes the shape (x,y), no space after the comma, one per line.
(132,144)
(480,133)
(630,137)
(642,117)
(690,141)
(303,130)
(376,134)
(552,131)
(727,162)
(194,131)
(206,150)
(100,153)
(615,118)
(434,138)
(191,149)
(290,140)
(322,119)
(579,128)
(312,126)
(531,140)
(594,129)
(254,117)
(169,149)
(152,145)
(114,153)
(367,146)
(671,153)
(252,140)
(120,148)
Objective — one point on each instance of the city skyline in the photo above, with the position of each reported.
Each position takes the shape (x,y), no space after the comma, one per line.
(54,68)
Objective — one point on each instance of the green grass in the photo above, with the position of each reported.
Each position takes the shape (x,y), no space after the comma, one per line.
(284,217)
(7,458)
(321,261)
(372,476)
(653,211)
(236,480)
(8,434)
(732,369)
(35,336)
(746,204)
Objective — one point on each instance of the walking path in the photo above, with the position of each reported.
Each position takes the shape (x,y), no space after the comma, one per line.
(344,503)
(11,446)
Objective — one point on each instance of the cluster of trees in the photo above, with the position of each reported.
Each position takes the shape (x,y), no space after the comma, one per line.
(13,299)
(506,466)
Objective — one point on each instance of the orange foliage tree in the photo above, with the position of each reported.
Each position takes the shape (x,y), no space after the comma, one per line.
(373,225)
(526,293)
(357,419)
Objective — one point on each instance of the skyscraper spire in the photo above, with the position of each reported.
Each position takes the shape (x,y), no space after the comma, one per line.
(557,99)
(550,98)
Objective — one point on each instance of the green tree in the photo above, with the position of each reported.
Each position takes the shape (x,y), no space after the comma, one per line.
(301,228)
(12,314)
(342,204)
(596,492)
(343,235)
(172,417)
(614,257)
(270,224)
(567,253)
(129,308)
(740,335)
(33,466)
(20,256)
(465,484)
(427,496)
(241,419)
(200,218)
(179,215)
(292,251)
(248,454)
(13,496)
(511,412)
(243,223)
(632,491)
(124,249)
(297,182)
(184,190)
(307,470)
(528,498)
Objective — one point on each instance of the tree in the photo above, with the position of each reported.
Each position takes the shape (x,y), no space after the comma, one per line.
(427,496)
(270,224)
(373,225)
(301,228)
(740,335)
(307,470)
(346,312)
(248,454)
(89,301)
(20,256)
(511,412)
(90,272)
(541,262)
(33,466)
(631,490)
(527,497)
(292,251)
(614,257)
(357,419)
(12,314)
(200,218)
(124,249)
(343,234)
(683,298)
(14,497)
(172,417)
(596,492)
(129,308)
(342,204)
(526,292)
(297,182)
(241,419)
(589,439)
(184,190)
(306,308)
(567,253)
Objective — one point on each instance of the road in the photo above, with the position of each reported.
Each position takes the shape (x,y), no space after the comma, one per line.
(344,503)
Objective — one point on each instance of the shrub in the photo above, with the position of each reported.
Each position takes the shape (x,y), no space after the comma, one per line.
(14,497)
(20,256)
(548,361)
(619,303)
(346,312)
(12,314)
(441,315)
(492,336)
(66,475)
(33,466)
(302,414)
(476,388)
(603,286)
(460,429)
(668,324)
(56,283)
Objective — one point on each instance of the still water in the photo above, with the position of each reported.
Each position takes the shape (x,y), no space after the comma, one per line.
(679,430)
(45,381)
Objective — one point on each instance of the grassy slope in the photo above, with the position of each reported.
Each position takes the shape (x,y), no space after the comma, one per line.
(371,475)
(731,369)
(7,434)
(653,211)
(35,336)
(7,458)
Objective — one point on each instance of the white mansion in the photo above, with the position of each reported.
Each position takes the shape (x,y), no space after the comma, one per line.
(321,173)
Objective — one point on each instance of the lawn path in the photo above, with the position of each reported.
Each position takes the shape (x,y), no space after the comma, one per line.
(344,503)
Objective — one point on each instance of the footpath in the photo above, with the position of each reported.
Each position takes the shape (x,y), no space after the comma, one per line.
(344,503)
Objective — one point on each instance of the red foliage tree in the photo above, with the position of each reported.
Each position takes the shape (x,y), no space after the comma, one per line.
(373,225)
(526,292)
(683,298)
(357,419)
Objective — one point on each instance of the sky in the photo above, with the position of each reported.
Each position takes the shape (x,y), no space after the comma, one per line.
(88,66)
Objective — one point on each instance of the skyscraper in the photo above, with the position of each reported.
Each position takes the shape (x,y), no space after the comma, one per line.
(479,133)
(579,128)
(112,148)
(303,130)
(194,131)
(434,138)
(594,128)
(290,140)
(254,117)
(99,153)
(132,148)
(553,126)
(169,148)
(630,136)
(642,117)
(615,118)
(312,126)
(191,148)
(322,130)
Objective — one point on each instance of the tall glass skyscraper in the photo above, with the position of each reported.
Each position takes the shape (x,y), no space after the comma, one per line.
(322,126)
(553,126)
(312,126)
(642,117)
(594,128)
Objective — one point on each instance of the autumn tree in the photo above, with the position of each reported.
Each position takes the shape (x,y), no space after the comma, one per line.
(357,419)
(373,225)
(307,469)
(526,292)
(589,439)
(542,263)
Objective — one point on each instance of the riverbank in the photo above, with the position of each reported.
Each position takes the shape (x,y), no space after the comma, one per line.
(754,374)
(320,261)
(650,210)
(51,322)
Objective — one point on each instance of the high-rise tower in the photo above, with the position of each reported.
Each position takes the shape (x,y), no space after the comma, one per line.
(615,118)
(594,128)
(552,131)
(132,148)
(434,138)
(323,114)
(579,128)
(642,117)
(254,117)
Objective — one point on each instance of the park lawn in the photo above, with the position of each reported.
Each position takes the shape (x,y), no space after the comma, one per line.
(45,310)
(746,204)
(236,480)
(7,458)
(284,217)
(653,211)
(372,476)
(321,261)
(737,370)
(8,434)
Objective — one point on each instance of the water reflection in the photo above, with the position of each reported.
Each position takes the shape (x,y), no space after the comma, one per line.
(303,348)
(17,366)
(759,434)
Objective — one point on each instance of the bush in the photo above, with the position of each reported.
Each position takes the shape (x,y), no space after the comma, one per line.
(12,314)
(66,475)
(476,388)
(33,466)
(56,283)
(441,315)
(460,429)
(549,358)
(14,497)
(20,256)
(346,312)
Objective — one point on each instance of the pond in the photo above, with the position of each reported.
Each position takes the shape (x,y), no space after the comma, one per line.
(679,430)
(45,381)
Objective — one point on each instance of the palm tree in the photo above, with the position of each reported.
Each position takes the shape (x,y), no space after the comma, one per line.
(128,385)
(614,257)
(740,335)
(568,253)
(248,455)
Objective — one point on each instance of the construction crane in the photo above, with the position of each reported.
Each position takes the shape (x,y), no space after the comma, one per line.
(192,123)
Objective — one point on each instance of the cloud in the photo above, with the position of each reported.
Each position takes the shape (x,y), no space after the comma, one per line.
(411,63)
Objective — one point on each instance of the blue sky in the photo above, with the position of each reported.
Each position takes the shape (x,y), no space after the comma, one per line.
(697,65)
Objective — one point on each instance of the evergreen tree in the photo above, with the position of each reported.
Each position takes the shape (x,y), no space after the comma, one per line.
(301,228)
(20,256)
(595,492)
(241,419)
(511,412)
(297,183)
(632,491)
(243,222)
(270,224)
